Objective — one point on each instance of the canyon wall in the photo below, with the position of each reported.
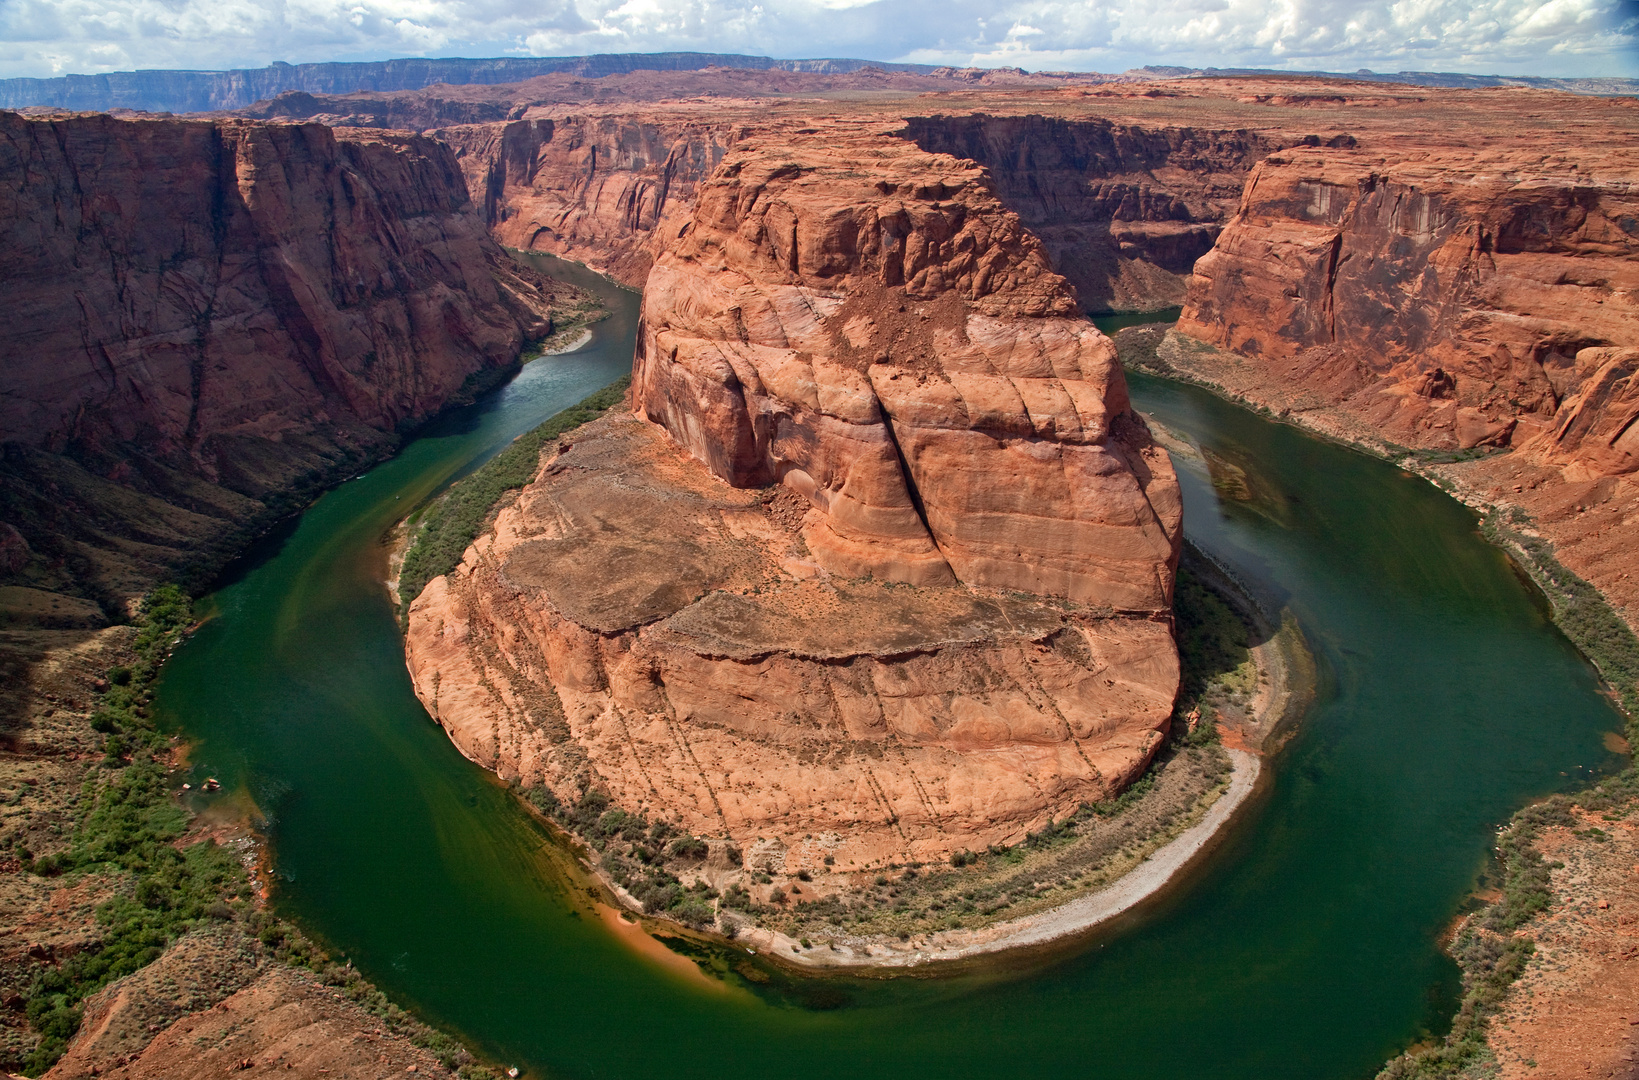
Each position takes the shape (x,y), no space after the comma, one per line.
(591,187)
(203,315)
(1454,302)
(1124,210)
(1473,307)
(889,573)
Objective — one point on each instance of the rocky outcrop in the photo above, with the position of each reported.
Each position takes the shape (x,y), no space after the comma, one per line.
(635,626)
(892,345)
(892,566)
(202,315)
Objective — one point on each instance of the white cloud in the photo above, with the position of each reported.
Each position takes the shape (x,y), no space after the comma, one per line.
(1549,37)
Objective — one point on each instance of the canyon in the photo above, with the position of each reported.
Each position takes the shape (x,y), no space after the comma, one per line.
(879,568)
(1434,273)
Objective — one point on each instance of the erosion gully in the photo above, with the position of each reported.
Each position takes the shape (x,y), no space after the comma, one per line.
(1306,945)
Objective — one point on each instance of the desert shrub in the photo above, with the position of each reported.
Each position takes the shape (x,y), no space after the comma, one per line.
(688,848)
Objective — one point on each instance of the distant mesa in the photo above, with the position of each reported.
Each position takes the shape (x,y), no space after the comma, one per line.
(158,90)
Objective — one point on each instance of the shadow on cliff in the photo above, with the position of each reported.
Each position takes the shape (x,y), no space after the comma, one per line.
(1092,191)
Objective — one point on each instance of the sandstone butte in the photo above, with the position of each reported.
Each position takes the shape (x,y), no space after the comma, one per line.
(883,561)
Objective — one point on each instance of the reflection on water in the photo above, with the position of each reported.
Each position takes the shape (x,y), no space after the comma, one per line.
(1306,947)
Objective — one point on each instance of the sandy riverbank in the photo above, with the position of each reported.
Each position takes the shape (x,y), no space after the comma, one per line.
(1283,694)
(1083,913)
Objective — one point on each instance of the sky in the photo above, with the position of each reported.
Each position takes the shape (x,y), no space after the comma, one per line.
(1511,37)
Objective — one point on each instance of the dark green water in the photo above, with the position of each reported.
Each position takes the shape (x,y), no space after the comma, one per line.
(1306,947)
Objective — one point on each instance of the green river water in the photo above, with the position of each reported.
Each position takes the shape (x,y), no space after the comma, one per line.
(1305,946)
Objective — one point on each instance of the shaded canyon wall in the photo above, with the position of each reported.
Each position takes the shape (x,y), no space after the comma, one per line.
(203,315)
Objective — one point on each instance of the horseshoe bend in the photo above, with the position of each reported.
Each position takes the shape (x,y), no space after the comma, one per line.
(878,568)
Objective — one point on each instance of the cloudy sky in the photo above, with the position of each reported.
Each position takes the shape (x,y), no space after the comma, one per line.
(1541,37)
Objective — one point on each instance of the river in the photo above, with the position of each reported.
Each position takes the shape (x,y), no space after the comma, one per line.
(1306,946)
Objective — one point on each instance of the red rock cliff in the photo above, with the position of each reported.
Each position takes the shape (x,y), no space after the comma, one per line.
(1467,287)
(234,302)
(892,344)
(591,187)
(1448,297)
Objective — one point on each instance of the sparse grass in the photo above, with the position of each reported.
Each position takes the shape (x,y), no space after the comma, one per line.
(1214,645)
(641,857)
(452,522)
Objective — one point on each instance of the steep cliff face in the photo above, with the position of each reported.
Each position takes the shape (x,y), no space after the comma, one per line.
(890,568)
(890,344)
(1451,302)
(1472,294)
(203,313)
(591,188)
(1124,210)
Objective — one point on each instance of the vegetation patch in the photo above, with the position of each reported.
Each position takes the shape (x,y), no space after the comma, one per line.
(644,858)
(1080,853)
(132,835)
(1578,608)
(128,831)
(446,528)
(1214,647)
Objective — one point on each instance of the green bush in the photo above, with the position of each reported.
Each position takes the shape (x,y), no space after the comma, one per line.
(688,848)
(457,517)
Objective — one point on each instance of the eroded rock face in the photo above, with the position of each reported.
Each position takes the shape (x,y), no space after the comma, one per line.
(1124,209)
(636,625)
(178,281)
(589,187)
(202,314)
(893,564)
(892,345)
(1452,300)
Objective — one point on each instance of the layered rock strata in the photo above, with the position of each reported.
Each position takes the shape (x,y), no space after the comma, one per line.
(1452,302)
(204,314)
(585,186)
(635,625)
(1479,304)
(892,566)
(891,344)
(1123,209)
